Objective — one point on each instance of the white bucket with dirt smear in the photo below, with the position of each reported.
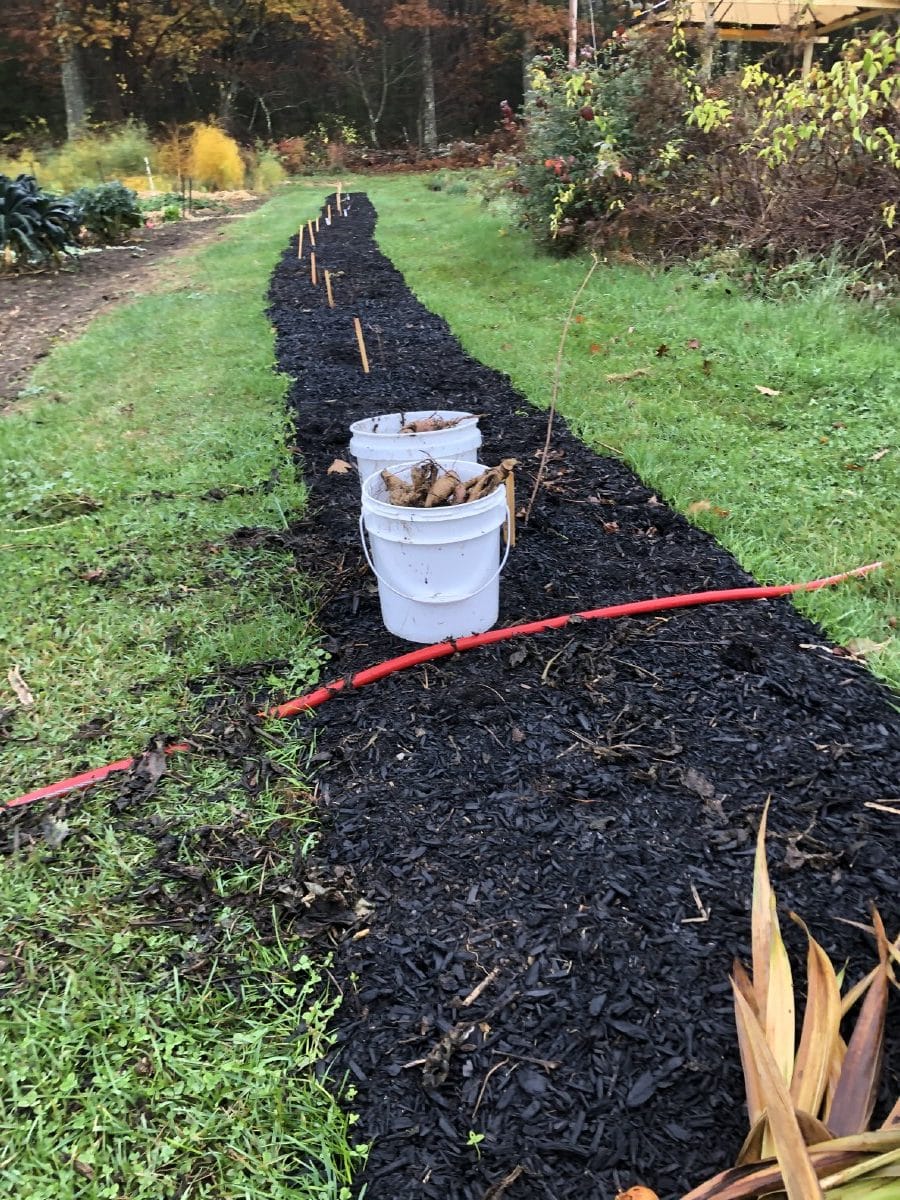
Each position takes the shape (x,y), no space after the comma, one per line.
(438,569)
(377,442)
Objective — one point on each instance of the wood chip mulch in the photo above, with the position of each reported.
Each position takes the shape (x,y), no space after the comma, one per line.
(552,839)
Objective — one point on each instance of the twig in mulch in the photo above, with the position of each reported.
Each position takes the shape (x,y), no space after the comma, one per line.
(479,988)
(497,1189)
(554,396)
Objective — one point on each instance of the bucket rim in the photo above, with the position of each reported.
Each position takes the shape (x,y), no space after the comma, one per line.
(357,429)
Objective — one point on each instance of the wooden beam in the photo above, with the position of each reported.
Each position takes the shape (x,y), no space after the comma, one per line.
(786,36)
(870,14)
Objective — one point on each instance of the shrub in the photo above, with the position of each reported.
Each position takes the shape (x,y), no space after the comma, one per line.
(293,154)
(34,226)
(98,157)
(215,159)
(108,211)
(267,171)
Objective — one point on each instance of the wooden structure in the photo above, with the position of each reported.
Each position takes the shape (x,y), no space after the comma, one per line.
(785,21)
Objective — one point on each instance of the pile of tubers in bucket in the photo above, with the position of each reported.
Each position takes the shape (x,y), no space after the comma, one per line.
(432,487)
(435,423)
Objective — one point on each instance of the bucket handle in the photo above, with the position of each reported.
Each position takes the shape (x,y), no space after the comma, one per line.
(420,599)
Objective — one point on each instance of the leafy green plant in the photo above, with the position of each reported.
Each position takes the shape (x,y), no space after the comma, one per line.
(108,211)
(34,226)
(809,1103)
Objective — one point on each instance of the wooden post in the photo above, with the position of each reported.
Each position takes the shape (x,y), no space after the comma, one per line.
(300,243)
(362,345)
(312,269)
(328,289)
(807,59)
(312,236)
(317,224)
(340,187)
(328,215)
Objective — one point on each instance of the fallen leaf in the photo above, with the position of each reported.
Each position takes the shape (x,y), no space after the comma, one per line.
(339,467)
(596,348)
(863,646)
(838,425)
(693,344)
(852,466)
(662,350)
(697,782)
(879,454)
(639,373)
(766,391)
(93,576)
(20,687)
(823,441)
(506,346)
(699,506)
(579,320)
(55,832)
(707,366)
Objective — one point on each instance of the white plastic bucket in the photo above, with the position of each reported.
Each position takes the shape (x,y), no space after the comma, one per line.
(438,569)
(377,442)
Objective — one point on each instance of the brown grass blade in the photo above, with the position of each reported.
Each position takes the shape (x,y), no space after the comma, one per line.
(854,1095)
(893,1118)
(821,1029)
(760,918)
(800,1181)
(752,1149)
(869,1166)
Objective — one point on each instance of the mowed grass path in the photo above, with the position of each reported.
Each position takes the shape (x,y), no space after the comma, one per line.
(160,1026)
(797,485)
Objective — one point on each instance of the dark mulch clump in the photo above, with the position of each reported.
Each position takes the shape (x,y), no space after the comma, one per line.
(570,817)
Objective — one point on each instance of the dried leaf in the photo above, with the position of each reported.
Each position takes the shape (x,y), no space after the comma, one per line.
(662,350)
(693,344)
(854,1095)
(821,1028)
(596,348)
(339,467)
(20,687)
(879,454)
(699,506)
(800,1181)
(766,391)
(579,319)
(761,918)
(706,366)
(780,1023)
(55,832)
(862,646)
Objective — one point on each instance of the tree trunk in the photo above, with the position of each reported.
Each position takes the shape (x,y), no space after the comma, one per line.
(72,76)
(429,116)
(573,33)
(227,93)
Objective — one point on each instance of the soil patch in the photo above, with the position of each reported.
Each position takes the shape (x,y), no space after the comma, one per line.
(565,823)
(39,309)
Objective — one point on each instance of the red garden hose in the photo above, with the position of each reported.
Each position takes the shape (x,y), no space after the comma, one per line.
(453,646)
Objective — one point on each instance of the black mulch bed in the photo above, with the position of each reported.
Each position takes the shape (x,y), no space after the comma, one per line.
(553,814)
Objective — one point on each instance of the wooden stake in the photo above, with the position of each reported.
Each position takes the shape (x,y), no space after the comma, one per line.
(362,345)
(509,529)
(300,243)
(312,269)
(312,236)
(328,215)
(317,224)
(339,188)
(328,289)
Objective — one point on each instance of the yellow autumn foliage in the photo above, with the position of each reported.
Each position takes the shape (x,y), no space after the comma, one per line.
(215,159)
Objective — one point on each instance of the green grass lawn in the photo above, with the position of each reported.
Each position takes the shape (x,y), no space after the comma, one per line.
(145,1055)
(156,1058)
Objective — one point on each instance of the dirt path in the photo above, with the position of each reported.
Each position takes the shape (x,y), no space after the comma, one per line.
(562,827)
(39,310)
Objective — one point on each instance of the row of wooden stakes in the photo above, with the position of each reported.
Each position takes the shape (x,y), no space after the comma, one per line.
(311,229)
